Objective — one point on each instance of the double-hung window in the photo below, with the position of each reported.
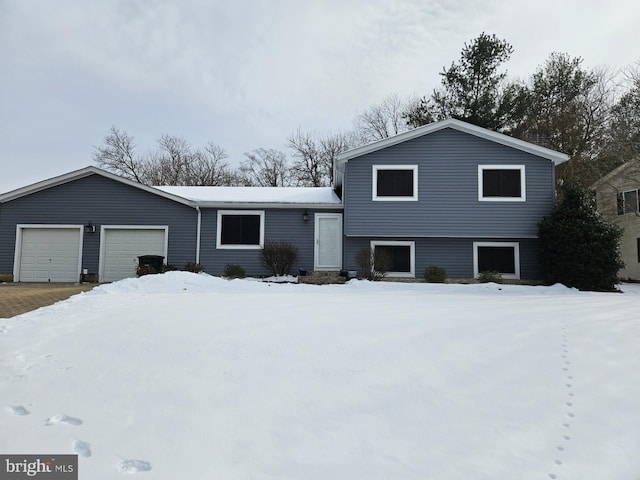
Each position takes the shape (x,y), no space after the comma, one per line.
(240,229)
(395,183)
(501,183)
(628,202)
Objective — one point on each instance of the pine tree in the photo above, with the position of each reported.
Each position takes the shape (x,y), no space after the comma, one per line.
(577,247)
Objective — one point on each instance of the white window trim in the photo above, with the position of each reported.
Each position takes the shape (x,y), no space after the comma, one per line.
(516,253)
(398,243)
(374,183)
(523,184)
(219,244)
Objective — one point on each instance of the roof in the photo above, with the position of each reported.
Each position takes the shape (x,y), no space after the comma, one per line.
(82,173)
(460,126)
(618,171)
(294,196)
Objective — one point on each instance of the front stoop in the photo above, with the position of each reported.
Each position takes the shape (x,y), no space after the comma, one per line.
(322,278)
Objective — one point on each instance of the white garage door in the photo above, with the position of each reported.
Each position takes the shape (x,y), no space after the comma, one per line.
(50,254)
(123,246)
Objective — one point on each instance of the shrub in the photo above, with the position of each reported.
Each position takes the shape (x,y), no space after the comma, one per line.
(233,270)
(374,263)
(193,267)
(576,246)
(490,276)
(167,267)
(278,257)
(142,270)
(435,274)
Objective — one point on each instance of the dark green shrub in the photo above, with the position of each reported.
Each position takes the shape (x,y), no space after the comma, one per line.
(435,274)
(193,267)
(232,270)
(576,246)
(374,263)
(278,257)
(167,267)
(490,276)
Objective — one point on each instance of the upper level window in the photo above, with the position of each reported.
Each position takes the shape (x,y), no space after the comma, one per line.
(628,202)
(240,229)
(395,182)
(501,183)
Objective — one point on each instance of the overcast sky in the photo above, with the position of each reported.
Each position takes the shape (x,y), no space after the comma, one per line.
(245,74)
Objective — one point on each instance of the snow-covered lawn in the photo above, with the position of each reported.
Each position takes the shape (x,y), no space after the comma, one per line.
(184,376)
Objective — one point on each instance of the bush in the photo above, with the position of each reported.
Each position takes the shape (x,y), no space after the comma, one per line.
(435,274)
(167,267)
(232,270)
(374,263)
(193,267)
(143,270)
(576,246)
(278,257)
(490,276)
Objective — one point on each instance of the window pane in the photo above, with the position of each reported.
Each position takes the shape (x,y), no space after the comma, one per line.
(630,201)
(620,203)
(394,183)
(501,183)
(400,256)
(240,230)
(497,259)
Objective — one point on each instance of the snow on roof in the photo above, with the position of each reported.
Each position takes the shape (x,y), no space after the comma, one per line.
(275,195)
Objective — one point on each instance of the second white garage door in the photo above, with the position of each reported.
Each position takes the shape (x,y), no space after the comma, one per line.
(121,248)
(49,253)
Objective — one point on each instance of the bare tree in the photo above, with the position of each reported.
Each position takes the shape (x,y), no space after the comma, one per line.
(117,155)
(384,119)
(315,156)
(175,162)
(266,168)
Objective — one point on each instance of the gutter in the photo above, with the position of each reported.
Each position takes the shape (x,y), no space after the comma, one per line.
(199,228)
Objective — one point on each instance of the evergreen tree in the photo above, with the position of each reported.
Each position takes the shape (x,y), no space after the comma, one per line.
(577,247)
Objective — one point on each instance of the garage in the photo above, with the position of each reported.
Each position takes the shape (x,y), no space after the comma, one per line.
(121,247)
(48,253)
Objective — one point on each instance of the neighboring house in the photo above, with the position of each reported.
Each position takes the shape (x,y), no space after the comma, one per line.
(448,194)
(618,201)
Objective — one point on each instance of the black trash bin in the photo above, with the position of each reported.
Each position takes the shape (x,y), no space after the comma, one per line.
(153,261)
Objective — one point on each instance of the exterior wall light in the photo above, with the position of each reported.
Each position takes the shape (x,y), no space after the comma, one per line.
(305,216)
(89,227)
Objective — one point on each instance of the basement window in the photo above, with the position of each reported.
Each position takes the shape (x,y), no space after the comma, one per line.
(502,257)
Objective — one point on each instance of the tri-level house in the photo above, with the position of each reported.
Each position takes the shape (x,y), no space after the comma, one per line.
(448,194)
(618,201)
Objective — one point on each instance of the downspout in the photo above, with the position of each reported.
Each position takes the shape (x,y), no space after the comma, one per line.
(198,234)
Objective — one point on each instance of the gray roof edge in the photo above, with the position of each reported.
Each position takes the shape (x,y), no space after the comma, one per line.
(556,157)
(85,172)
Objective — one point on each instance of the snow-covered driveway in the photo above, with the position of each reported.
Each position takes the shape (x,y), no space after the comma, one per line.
(190,376)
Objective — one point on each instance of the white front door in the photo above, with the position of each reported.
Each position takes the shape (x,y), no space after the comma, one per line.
(328,241)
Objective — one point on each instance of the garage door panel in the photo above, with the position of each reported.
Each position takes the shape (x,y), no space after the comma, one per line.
(122,247)
(50,254)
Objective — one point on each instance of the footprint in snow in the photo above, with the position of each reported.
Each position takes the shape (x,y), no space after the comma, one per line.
(62,418)
(18,410)
(134,466)
(83,449)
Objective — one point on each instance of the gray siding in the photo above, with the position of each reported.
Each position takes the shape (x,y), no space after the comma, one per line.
(280,225)
(104,202)
(454,254)
(448,204)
